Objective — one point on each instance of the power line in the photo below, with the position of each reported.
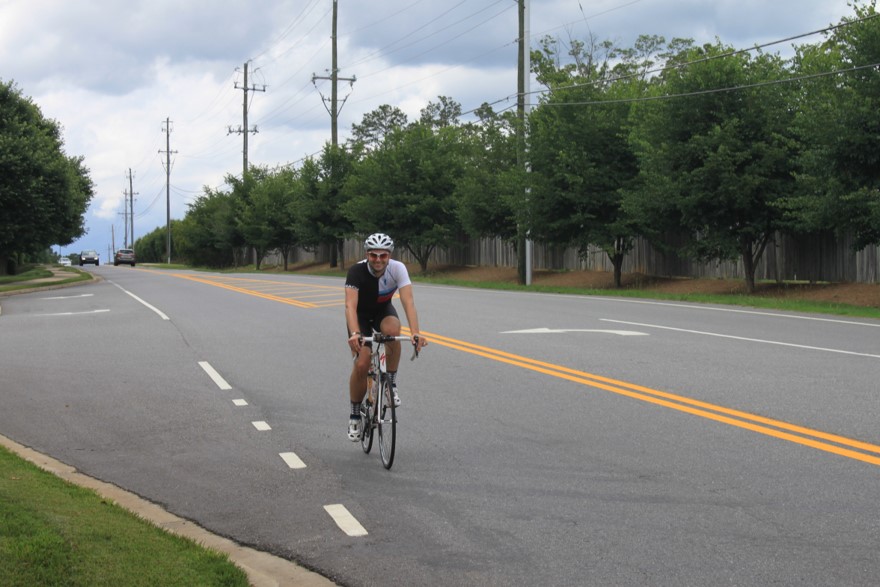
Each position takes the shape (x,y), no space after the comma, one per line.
(689,63)
(445,42)
(717,90)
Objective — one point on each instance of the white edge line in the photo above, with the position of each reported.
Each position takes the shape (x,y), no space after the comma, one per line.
(346,522)
(292,460)
(691,306)
(150,306)
(788,344)
(566,330)
(221,383)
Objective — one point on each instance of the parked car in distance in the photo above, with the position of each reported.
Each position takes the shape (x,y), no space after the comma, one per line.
(64,261)
(89,257)
(124,256)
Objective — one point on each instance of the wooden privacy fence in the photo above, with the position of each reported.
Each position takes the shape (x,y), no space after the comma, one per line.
(809,258)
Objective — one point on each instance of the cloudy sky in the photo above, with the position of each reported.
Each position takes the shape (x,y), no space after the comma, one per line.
(111,72)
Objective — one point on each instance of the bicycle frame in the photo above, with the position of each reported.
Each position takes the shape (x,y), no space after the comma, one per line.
(377,408)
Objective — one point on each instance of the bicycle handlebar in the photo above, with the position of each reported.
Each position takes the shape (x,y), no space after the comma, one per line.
(383,338)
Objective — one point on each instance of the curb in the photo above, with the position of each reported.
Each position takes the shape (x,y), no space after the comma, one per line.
(263,569)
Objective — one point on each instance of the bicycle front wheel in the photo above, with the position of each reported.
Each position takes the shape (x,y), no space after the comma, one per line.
(387,424)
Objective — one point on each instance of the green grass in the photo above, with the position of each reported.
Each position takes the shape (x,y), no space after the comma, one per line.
(33,273)
(55,533)
(16,282)
(772,303)
(752,301)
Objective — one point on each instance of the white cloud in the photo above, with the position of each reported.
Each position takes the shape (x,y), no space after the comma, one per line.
(112,72)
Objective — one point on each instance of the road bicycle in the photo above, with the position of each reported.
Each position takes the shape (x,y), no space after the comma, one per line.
(381,422)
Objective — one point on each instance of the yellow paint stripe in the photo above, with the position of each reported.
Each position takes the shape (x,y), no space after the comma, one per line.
(767,426)
(273,282)
(250,292)
(762,425)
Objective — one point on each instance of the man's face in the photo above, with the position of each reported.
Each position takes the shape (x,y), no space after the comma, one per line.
(378,260)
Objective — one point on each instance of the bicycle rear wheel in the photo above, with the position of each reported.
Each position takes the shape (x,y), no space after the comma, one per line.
(367,413)
(387,424)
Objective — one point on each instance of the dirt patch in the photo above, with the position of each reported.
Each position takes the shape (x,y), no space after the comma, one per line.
(856,294)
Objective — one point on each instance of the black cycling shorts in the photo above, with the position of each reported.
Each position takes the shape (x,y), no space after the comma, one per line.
(367,323)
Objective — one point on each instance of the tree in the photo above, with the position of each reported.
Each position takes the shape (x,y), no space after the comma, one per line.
(441,114)
(266,215)
(582,161)
(839,125)
(405,188)
(150,248)
(376,125)
(717,154)
(207,234)
(489,192)
(318,200)
(44,193)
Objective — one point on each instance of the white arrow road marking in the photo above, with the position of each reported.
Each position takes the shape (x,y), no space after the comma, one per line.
(74,313)
(562,330)
(788,344)
(346,522)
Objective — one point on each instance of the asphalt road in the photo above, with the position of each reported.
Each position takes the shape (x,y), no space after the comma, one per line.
(544,440)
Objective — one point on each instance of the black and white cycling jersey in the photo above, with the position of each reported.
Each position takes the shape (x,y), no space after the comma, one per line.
(376,292)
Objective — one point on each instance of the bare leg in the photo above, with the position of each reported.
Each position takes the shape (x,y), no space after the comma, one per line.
(357,382)
(391,326)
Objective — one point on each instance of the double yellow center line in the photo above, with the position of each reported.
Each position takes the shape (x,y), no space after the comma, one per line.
(251,292)
(832,443)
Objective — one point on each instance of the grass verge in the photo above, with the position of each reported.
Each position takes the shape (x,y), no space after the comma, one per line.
(772,303)
(24,280)
(55,533)
(744,300)
(33,273)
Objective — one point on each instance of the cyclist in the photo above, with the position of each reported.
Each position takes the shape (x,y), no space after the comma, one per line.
(369,287)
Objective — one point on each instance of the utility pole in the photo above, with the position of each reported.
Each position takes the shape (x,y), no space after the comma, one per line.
(243,129)
(524,253)
(334,106)
(124,220)
(131,196)
(334,83)
(168,152)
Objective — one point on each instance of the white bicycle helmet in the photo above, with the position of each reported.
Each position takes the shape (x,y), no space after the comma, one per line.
(379,241)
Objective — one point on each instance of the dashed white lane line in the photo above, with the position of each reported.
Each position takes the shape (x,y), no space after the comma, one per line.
(239,402)
(292,460)
(221,383)
(261,426)
(346,522)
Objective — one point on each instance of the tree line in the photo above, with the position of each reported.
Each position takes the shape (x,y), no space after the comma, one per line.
(704,150)
(44,193)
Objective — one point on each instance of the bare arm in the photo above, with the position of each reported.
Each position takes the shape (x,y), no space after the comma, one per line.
(412,316)
(351,320)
